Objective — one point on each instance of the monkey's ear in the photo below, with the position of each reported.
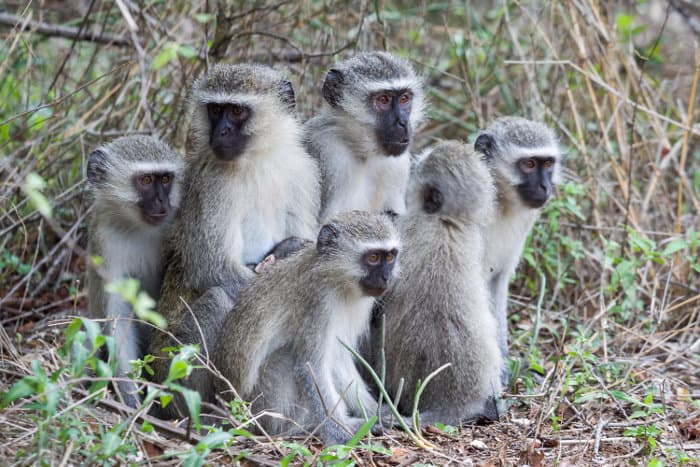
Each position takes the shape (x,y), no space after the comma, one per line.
(333,87)
(287,94)
(327,237)
(486,145)
(432,199)
(97,167)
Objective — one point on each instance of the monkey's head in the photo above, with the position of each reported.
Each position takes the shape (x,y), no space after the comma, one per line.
(136,178)
(383,96)
(525,155)
(360,252)
(238,109)
(452,181)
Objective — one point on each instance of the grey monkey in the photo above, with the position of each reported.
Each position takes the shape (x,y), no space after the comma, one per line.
(361,138)
(438,311)
(282,349)
(250,184)
(135,182)
(525,161)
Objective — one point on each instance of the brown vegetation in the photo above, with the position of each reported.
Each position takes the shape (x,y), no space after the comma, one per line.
(606,306)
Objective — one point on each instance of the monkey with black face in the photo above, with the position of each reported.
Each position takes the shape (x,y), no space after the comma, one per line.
(281,344)
(363,135)
(438,312)
(135,182)
(525,162)
(250,184)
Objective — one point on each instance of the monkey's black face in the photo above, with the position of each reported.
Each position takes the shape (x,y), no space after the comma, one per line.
(154,195)
(379,264)
(393,110)
(536,187)
(227,139)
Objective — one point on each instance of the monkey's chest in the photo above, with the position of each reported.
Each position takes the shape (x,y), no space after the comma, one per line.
(262,228)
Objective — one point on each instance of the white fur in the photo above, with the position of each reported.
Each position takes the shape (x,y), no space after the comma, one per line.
(506,236)
(135,253)
(273,195)
(349,322)
(150,167)
(375,184)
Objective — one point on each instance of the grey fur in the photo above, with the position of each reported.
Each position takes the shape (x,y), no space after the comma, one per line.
(515,138)
(233,212)
(293,315)
(128,246)
(356,173)
(438,310)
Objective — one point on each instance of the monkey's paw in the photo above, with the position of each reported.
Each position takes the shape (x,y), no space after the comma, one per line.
(268,261)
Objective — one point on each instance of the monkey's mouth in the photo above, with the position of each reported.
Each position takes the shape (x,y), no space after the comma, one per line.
(373,291)
(396,148)
(154,218)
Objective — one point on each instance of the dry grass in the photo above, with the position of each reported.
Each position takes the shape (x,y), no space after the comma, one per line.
(605,308)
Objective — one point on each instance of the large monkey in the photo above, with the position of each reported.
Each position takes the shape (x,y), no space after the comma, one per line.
(525,161)
(135,182)
(282,347)
(250,184)
(438,312)
(362,136)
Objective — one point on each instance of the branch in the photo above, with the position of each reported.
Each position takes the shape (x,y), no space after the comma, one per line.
(16,21)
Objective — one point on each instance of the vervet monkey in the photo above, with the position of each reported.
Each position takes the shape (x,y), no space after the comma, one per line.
(249,185)
(525,161)
(362,136)
(135,182)
(282,347)
(438,311)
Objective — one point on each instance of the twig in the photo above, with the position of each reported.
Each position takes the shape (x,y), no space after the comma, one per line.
(67,32)
(686,139)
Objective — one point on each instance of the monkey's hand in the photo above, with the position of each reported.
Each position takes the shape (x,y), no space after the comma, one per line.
(268,261)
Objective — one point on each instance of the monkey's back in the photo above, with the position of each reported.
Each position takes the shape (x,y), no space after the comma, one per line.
(257,326)
(437,313)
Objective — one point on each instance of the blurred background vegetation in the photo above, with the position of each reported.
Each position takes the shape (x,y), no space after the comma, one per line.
(605,307)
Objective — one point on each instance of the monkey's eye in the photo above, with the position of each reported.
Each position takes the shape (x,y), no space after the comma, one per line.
(237,110)
(390,256)
(165,179)
(373,259)
(528,165)
(548,164)
(383,100)
(215,109)
(146,179)
(405,99)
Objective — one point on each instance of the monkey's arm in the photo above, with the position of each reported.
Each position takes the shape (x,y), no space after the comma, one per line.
(200,324)
(499,305)
(122,325)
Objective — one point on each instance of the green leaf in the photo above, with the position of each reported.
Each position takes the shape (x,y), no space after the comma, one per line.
(364,429)
(215,440)
(677,244)
(187,51)
(204,17)
(622,396)
(178,369)
(166,55)
(194,402)
(22,388)
(165,399)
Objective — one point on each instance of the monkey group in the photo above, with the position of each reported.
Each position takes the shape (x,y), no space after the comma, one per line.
(276,246)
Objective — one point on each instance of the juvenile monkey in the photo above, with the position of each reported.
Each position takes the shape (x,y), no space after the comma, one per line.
(135,182)
(362,136)
(250,184)
(525,161)
(438,312)
(282,346)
